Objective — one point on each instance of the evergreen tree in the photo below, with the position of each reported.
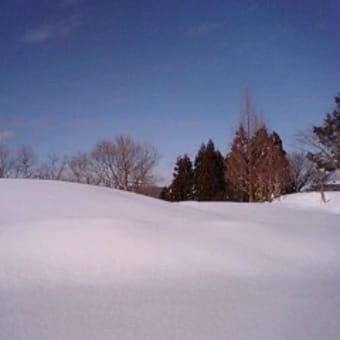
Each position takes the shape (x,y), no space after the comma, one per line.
(280,177)
(165,194)
(242,159)
(237,165)
(257,168)
(210,184)
(326,141)
(262,165)
(181,188)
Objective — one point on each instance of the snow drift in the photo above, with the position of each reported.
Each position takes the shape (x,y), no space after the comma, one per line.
(82,262)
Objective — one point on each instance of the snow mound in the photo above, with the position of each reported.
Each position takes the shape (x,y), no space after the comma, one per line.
(83,262)
(313,200)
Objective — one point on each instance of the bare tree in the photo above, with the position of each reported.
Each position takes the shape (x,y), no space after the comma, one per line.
(124,164)
(6,162)
(322,144)
(82,170)
(309,142)
(146,158)
(54,168)
(303,170)
(103,156)
(24,163)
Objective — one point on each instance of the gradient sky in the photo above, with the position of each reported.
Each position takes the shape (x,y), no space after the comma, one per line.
(172,73)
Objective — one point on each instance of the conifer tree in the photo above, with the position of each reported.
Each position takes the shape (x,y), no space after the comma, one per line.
(280,177)
(237,173)
(283,168)
(257,168)
(262,165)
(209,176)
(241,159)
(165,194)
(181,188)
(325,141)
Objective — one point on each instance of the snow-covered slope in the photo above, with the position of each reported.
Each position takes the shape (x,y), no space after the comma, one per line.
(313,200)
(82,262)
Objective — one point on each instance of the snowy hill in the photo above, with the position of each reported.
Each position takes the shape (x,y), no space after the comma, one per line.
(313,200)
(82,262)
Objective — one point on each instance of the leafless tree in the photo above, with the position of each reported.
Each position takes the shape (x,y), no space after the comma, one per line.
(103,156)
(82,169)
(303,171)
(309,142)
(6,162)
(24,163)
(124,164)
(54,168)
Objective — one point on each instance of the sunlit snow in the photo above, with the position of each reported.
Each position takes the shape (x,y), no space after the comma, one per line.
(83,262)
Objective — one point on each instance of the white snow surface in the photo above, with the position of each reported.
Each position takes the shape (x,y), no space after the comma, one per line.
(81,262)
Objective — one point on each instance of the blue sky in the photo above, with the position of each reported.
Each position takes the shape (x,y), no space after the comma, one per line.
(172,73)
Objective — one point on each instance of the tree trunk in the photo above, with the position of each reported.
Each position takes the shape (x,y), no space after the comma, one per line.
(322,192)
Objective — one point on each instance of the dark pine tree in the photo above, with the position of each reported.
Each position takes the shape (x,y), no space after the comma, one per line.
(326,141)
(181,188)
(165,194)
(280,176)
(210,184)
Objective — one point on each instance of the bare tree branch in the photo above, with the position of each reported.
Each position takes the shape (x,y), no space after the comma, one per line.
(6,162)
(54,168)
(24,163)
(303,170)
(124,164)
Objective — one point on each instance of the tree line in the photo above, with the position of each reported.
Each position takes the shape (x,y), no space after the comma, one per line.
(121,163)
(257,168)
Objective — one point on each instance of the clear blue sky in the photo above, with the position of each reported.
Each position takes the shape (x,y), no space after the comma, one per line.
(172,73)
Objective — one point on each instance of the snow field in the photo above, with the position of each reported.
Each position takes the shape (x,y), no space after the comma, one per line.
(82,262)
